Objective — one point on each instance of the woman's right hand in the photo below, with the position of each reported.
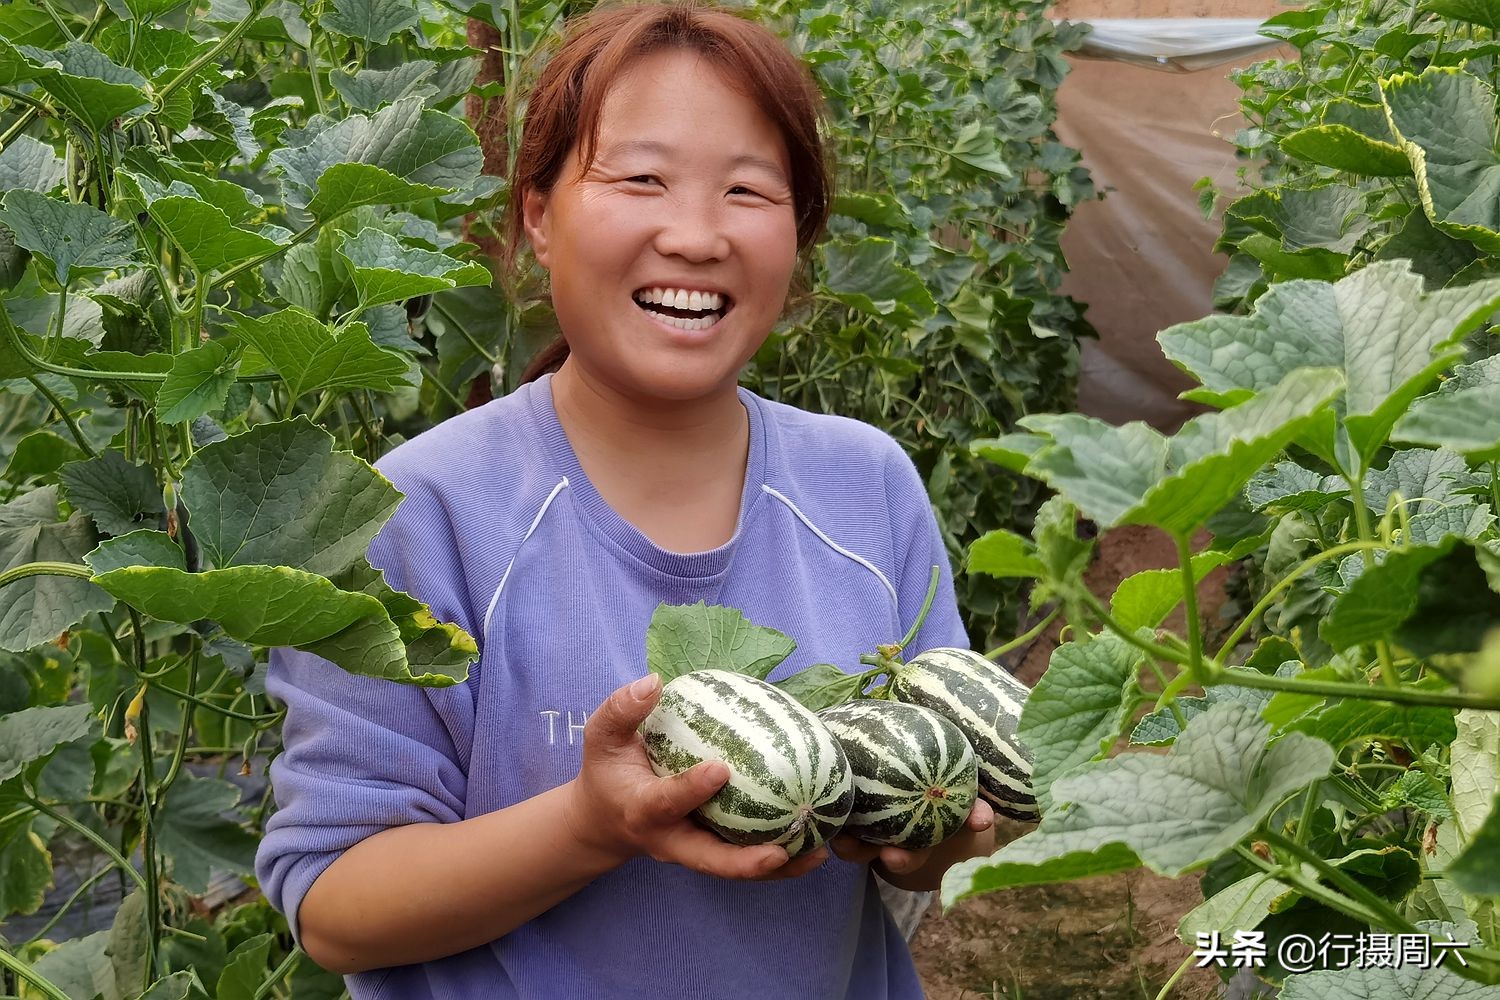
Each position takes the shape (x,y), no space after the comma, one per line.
(619,806)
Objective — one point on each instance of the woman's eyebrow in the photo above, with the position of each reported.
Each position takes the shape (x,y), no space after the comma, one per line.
(652,146)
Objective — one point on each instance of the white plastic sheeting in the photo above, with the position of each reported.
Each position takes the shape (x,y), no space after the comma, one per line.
(1179,44)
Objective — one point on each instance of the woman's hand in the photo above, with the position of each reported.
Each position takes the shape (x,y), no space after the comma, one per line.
(620,808)
(923,869)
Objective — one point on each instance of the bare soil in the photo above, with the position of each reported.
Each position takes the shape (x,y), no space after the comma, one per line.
(1112,937)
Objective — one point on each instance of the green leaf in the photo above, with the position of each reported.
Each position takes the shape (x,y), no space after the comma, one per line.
(204,232)
(30,165)
(279,494)
(1405,982)
(872,208)
(1388,336)
(1430,599)
(39,453)
(437,653)
(173,987)
(1288,486)
(25,865)
(1161,728)
(1078,708)
(80,967)
(138,548)
(1134,475)
(197,384)
(370,89)
(310,356)
(866,276)
(387,271)
(1485,13)
(1357,719)
(1464,420)
(686,637)
(979,147)
(401,153)
(85,82)
(118,495)
(128,937)
(71,237)
(1238,907)
(1445,121)
(373,20)
(1002,553)
(1342,148)
(33,733)
(194,837)
(1145,599)
(246,970)
(820,686)
(37,609)
(1175,811)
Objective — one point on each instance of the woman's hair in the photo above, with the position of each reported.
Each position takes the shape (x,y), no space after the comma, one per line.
(563,110)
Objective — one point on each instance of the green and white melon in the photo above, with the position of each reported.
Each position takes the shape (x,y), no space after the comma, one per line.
(914,773)
(984,701)
(789,782)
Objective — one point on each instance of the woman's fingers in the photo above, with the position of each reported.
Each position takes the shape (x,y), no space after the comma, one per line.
(982,816)
(898,861)
(702,851)
(853,850)
(671,798)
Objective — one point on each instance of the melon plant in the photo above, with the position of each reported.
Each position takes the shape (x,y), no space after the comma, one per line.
(789,782)
(915,778)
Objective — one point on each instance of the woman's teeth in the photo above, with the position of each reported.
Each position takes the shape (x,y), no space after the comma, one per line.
(666,305)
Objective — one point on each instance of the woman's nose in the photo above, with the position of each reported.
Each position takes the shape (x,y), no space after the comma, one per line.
(693,228)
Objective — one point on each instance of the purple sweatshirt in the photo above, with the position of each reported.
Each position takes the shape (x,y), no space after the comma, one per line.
(503,533)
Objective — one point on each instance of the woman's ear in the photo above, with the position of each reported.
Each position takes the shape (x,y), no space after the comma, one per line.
(536,221)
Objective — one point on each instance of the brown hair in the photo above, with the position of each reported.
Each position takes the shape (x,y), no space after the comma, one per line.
(564,104)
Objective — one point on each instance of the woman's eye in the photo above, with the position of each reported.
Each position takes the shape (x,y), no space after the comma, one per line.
(643,178)
(740,187)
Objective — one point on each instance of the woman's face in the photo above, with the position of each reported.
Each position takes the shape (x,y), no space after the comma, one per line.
(690,191)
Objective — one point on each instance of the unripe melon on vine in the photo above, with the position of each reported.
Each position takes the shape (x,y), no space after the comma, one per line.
(914,773)
(789,782)
(983,700)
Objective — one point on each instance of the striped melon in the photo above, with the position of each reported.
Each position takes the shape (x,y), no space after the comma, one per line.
(789,783)
(984,701)
(914,773)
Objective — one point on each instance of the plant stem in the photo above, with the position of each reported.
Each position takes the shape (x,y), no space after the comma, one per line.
(62,910)
(932,585)
(45,569)
(1145,645)
(281,971)
(1024,637)
(464,332)
(98,841)
(1309,888)
(1190,609)
(185,730)
(1166,990)
(229,39)
(258,720)
(62,410)
(26,972)
(1281,585)
(1392,920)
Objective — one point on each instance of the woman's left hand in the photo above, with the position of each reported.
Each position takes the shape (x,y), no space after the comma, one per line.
(923,869)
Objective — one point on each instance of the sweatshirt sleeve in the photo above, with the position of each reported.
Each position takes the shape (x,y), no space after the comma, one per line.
(919,546)
(364,754)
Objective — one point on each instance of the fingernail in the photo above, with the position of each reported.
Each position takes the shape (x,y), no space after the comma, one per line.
(643,688)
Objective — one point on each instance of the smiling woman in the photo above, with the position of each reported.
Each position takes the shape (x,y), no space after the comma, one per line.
(669,178)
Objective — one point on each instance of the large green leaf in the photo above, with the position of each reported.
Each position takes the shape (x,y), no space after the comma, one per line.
(245,971)
(1175,811)
(1405,982)
(26,163)
(195,837)
(73,238)
(1464,414)
(385,270)
(1476,871)
(1078,708)
(87,83)
(279,494)
(311,356)
(118,495)
(1428,598)
(1135,475)
(37,609)
(197,384)
(820,686)
(1485,13)
(208,238)
(399,154)
(373,20)
(866,275)
(1379,326)
(1352,719)
(370,89)
(1343,148)
(1445,120)
(1144,599)
(80,967)
(687,637)
(25,865)
(33,733)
